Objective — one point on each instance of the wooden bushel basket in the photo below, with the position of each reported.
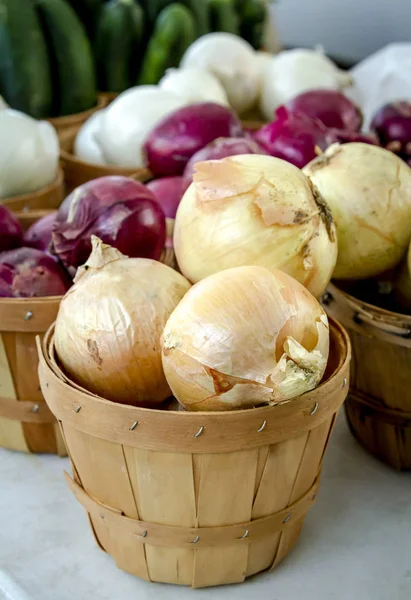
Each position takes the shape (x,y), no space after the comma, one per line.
(49,197)
(198,499)
(378,407)
(73,122)
(77,172)
(26,423)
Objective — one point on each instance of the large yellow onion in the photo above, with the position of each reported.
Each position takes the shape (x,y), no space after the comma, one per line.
(254,210)
(109,325)
(369,192)
(244,337)
(402,282)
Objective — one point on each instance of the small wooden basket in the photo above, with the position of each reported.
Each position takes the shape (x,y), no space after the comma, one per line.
(378,407)
(49,197)
(77,172)
(73,122)
(26,423)
(199,499)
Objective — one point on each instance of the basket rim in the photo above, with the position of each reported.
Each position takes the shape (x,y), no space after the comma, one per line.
(49,339)
(192,432)
(47,189)
(76,117)
(373,309)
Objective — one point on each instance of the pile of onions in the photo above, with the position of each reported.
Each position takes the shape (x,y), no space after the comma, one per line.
(119,210)
(11,235)
(331,107)
(39,234)
(181,134)
(244,337)
(255,210)
(220,148)
(392,124)
(369,192)
(109,325)
(30,273)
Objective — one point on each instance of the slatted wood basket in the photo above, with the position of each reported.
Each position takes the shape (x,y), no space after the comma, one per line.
(198,499)
(378,407)
(26,423)
(47,198)
(77,171)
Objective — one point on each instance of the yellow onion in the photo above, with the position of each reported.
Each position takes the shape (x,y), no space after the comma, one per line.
(254,210)
(368,190)
(244,337)
(109,325)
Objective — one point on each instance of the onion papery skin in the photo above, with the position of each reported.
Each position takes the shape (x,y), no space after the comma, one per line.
(254,210)
(39,234)
(331,107)
(368,190)
(109,326)
(242,338)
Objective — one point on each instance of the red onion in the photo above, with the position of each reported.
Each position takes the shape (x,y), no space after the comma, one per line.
(120,211)
(293,137)
(392,124)
(11,235)
(168,192)
(332,108)
(184,132)
(345,136)
(39,234)
(220,148)
(30,273)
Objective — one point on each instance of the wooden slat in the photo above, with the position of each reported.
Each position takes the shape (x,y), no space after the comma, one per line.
(274,492)
(226,494)
(164,490)
(11,432)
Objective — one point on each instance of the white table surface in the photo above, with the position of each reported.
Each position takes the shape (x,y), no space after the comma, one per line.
(355,545)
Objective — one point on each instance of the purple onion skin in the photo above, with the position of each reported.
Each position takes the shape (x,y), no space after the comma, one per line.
(120,211)
(330,107)
(30,273)
(392,125)
(168,192)
(180,135)
(11,234)
(345,136)
(221,148)
(294,137)
(39,234)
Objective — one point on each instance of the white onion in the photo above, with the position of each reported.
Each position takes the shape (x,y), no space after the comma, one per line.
(254,210)
(244,337)
(194,85)
(292,72)
(29,153)
(369,192)
(109,326)
(128,120)
(233,61)
(86,146)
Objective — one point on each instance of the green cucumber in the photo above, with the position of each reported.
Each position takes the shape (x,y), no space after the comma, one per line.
(75,84)
(253,19)
(88,12)
(199,8)
(224,16)
(24,65)
(119,36)
(174,31)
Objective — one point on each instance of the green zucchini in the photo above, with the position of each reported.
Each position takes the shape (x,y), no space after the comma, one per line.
(24,65)
(224,16)
(174,31)
(75,85)
(119,36)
